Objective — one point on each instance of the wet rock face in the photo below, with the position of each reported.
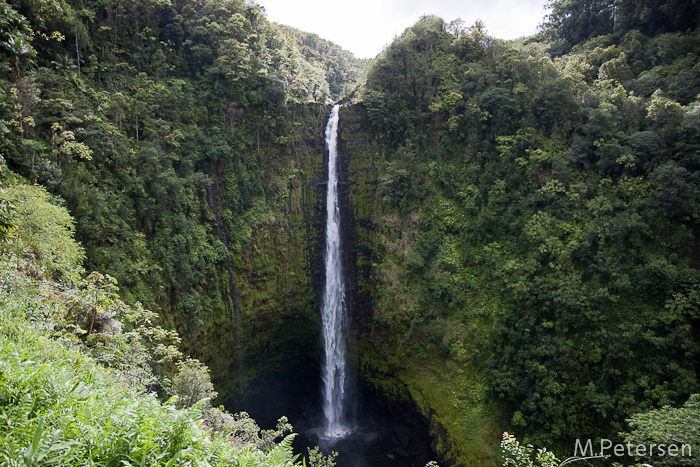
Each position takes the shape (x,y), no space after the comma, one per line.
(356,178)
(283,376)
(277,271)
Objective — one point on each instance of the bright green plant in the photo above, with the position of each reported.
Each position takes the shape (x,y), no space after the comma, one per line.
(666,426)
(192,383)
(44,233)
(518,455)
(318,459)
(8,220)
(60,407)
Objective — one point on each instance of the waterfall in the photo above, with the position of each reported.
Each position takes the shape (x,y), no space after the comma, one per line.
(333,312)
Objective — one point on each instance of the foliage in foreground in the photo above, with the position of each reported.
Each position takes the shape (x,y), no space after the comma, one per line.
(666,426)
(518,455)
(80,370)
(58,406)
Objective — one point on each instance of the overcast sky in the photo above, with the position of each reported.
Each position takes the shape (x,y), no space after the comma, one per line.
(364,27)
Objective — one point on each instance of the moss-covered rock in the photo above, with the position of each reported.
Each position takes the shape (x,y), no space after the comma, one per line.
(270,319)
(449,392)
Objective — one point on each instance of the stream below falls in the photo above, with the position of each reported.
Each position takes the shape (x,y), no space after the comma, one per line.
(385,434)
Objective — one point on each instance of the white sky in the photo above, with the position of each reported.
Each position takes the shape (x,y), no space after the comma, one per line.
(364,27)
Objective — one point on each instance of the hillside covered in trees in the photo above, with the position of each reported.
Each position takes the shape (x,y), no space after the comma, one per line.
(523,227)
(537,232)
(140,119)
(86,379)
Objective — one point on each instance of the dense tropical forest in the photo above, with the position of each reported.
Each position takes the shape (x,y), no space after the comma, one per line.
(522,226)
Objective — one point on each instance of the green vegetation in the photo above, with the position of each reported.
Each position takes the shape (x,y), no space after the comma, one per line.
(343,73)
(525,222)
(44,232)
(179,137)
(517,455)
(666,426)
(534,230)
(318,459)
(575,21)
(7,219)
(176,136)
(62,408)
(79,369)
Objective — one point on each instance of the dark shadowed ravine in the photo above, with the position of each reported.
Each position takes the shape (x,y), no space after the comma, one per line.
(386,434)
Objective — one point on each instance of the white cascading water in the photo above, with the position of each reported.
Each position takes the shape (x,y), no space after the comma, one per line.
(333,312)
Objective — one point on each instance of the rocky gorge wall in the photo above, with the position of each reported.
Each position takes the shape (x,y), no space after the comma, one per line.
(448,394)
(273,338)
(277,267)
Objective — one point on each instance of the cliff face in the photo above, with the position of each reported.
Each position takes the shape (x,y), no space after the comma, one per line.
(277,268)
(272,339)
(391,360)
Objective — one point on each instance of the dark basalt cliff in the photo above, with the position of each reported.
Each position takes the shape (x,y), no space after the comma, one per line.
(277,272)
(265,356)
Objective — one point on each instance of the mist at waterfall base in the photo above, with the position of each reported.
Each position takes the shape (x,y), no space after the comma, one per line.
(326,405)
(385,434)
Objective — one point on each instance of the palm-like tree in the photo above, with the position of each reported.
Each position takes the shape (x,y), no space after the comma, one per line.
(65,63)
(16,35)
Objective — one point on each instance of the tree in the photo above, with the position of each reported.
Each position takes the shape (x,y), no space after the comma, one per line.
(374,103)
(653,17)
(15,35)
(192,383)
(574,21)
(44,232)
(668,426)
(8,221)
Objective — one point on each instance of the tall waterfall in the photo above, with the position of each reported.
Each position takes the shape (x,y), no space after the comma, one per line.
(333,312)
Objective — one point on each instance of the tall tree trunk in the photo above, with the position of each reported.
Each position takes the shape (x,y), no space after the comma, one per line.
(15,65)
(77,52)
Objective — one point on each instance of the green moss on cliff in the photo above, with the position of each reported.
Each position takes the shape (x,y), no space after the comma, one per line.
(402,353)
(276,261)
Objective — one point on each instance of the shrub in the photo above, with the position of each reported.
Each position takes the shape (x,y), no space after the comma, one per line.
(192,383)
